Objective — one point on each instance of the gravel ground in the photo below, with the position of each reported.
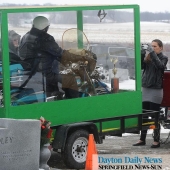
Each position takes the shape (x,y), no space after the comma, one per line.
(123,145)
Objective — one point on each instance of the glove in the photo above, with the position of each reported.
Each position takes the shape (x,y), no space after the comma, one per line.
(91,54)
(75,57)
(143,52)
(85,55)
(67,57)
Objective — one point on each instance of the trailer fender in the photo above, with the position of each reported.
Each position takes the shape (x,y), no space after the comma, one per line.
(63,131)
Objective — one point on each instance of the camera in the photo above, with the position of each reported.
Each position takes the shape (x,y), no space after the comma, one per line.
(144,46)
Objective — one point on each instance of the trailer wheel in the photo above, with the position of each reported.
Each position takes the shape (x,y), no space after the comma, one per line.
(74,154)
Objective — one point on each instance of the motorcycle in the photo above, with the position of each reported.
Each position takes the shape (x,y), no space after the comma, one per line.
(88,78)
(20,95)
(88,84)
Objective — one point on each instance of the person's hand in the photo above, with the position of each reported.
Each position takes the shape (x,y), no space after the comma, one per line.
(146,47)
(91,55)
(143,52)
(150,49)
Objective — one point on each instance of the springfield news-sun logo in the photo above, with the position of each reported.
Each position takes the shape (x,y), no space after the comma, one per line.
(130,162)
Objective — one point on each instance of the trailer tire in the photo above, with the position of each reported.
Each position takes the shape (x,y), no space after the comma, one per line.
(74,155)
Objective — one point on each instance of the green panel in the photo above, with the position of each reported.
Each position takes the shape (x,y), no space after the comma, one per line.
(5,65)
(137,47)
(80,20)
(115,125)
(84,109)
(80,27)
(2,113)
(76,110)
(2,110)
(68,8)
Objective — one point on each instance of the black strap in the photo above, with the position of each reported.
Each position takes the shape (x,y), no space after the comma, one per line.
(143,71)
(32,72)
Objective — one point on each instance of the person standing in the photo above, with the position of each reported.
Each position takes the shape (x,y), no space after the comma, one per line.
(153,66)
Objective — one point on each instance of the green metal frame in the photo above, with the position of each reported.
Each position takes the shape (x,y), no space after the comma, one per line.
(77,110)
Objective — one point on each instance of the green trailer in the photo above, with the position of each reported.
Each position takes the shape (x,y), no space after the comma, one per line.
(73,119)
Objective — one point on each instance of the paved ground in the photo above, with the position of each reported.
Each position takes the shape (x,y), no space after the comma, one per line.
(123,145)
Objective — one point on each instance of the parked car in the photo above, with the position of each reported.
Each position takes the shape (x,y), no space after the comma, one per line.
(125,55)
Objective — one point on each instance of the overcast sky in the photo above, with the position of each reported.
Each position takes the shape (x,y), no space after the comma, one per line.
(145,5)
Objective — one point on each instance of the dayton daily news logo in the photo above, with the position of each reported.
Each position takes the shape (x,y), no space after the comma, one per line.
(130,162)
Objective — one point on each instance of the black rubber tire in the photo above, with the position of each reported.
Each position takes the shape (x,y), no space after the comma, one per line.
(69,150)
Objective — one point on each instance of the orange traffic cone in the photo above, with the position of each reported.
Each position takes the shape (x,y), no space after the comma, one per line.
(92,157)
(152,127)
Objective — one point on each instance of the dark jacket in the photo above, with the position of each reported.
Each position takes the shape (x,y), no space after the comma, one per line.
(153,70)
(13,51)
(39,50)
(39,46)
